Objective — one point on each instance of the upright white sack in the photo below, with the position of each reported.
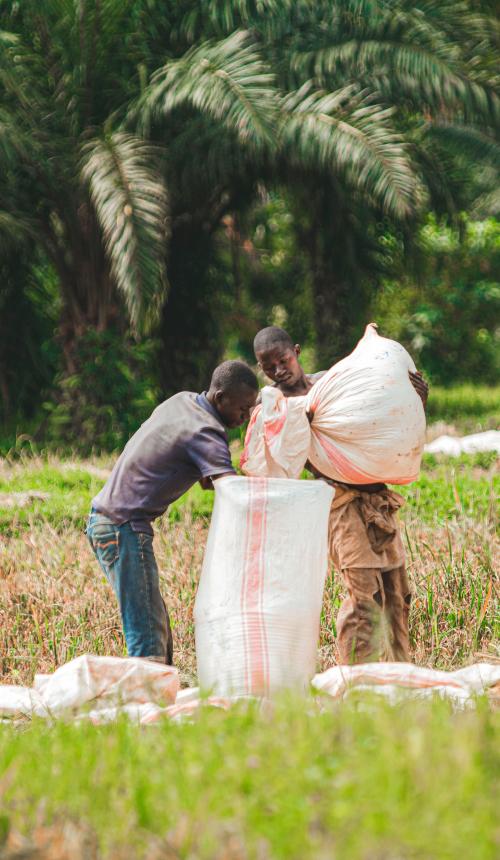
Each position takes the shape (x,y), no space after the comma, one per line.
(367,423)
(258,605)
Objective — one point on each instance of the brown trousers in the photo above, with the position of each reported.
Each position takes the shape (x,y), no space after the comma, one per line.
(366,548)
(372,623)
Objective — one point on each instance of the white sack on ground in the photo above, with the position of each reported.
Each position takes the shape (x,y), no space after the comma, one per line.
(17,702)
(396,681)
(258,605)
(454,446)
(403,680)
(103,682)
(101,689)
(367,421)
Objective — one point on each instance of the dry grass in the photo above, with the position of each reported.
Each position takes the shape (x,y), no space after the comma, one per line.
(55,603)
(230,786)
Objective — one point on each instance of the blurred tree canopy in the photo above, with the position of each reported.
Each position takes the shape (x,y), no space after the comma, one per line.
(448,312)
(174,175)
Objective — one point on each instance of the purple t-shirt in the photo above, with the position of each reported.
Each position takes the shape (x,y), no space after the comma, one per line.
(183,440)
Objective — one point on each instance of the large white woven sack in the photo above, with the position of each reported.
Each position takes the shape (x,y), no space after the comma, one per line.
(258,605)
(367,423)
(398,680)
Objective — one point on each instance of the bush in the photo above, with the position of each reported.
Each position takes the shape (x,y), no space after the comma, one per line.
(112,392)
(449,318)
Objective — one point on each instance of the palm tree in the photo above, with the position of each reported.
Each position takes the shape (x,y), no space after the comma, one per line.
(368,91)
(425,67)
(130,128)
(226,127)
(90,195)
(215,110)
(80,180)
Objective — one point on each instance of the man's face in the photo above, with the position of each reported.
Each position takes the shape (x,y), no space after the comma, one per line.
(234,407)
(281,365)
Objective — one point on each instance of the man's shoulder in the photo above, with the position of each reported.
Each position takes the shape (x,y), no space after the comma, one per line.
(197,413)
(180,397)
(178,410)
(182,403)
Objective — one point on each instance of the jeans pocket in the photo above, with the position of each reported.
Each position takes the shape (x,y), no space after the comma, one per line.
(105,540)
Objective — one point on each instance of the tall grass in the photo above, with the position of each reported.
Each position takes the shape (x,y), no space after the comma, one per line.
(360,781)
(55,603)
(288,782)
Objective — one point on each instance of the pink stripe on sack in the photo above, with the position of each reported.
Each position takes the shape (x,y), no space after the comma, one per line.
(262,556)
(248,434)
(420,680)
(350,473)
(274,427)
(252,591)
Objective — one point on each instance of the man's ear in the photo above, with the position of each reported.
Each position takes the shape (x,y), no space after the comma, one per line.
(219,394)
(297,349)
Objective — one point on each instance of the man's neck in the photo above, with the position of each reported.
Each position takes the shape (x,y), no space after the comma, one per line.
(299,388)
(210,397)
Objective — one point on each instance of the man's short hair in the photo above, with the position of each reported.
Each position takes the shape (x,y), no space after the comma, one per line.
(270,338)
(233,374)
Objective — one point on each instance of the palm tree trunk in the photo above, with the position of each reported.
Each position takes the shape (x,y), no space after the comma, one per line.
(88,295)
(327,233)
(333,326)
(190,327)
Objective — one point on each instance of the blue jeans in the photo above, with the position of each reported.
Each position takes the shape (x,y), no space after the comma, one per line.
(129,563)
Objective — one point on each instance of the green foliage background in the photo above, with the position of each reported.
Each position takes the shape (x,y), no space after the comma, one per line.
(176,175)
(448,316)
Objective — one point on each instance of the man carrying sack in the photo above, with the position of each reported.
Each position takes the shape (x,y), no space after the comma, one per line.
(364,538)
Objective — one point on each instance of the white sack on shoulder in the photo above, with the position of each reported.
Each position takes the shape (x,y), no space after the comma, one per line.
(367,421)
(258,605)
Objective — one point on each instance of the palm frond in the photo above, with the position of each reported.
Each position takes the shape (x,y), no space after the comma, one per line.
(15,227)
(410,71)
(466,141)
(434,52)
(227,81)
(487,204)
(8,40)
(342,133)
(131,205)
(274,19)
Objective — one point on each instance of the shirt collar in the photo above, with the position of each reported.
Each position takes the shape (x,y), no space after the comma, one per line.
(203,401)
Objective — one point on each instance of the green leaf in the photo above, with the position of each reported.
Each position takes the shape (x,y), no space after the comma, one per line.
(343,133)
(124,179)
(227,81)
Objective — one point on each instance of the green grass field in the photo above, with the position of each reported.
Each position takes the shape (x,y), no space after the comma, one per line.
(473,407)
(361,780)
(448,487)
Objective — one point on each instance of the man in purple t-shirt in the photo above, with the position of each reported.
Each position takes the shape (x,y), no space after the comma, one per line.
(182,442)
